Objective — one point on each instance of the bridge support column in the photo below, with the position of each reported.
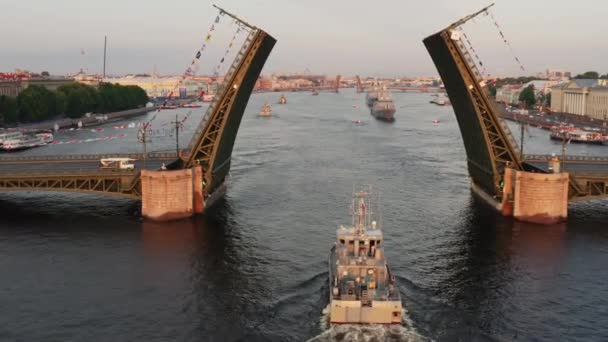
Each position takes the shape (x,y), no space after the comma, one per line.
(507,192)
(540,198)
(197,184)
(167,195)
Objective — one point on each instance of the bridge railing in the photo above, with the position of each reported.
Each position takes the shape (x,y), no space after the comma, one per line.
(219,93)
(82,157)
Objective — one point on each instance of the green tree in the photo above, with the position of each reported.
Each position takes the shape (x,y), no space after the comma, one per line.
(79,99)
(114,97)
(45,74)
(527,96)
(8,110)
(36,103)
(492,89)
(588,75)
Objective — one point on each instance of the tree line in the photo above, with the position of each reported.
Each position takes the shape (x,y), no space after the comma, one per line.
(73,100)
(592,75)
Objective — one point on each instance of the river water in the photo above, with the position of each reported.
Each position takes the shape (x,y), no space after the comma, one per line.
(80,267)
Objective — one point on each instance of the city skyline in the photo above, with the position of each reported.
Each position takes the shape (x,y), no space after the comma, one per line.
(329,38)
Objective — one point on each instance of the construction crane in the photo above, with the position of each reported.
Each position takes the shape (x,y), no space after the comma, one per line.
(359,85)
(337,83)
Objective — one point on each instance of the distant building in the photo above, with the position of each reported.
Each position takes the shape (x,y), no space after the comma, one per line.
(509,93)
(582,97)
(163,86)
(13,84)
(558,74)
(10,88)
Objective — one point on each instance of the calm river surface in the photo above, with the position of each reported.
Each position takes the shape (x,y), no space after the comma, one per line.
(81,268)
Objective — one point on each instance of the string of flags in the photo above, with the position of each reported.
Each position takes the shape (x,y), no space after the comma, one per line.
(193,66)
(216,70)
(474,52)
(504,39)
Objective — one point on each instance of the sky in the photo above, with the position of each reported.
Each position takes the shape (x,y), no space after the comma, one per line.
(380,38)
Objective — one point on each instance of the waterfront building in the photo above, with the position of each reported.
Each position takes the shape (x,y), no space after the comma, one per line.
(509,93)
(10,88)
(163,86)
(582,97)
(558,74)
(13,84)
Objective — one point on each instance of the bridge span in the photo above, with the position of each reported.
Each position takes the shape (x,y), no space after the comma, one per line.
(521,186)
(192,181)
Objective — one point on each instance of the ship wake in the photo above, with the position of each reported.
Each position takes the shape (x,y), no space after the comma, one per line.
(368,332)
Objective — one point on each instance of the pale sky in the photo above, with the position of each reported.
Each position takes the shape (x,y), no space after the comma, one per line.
(372,38)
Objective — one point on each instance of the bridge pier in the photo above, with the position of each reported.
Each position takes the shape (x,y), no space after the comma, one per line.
(171,194)
(535,197)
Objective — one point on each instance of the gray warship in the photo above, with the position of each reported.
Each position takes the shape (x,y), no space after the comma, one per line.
(362,288)
(383,108)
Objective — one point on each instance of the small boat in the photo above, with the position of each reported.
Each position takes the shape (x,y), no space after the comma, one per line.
(192,105)
(436,121)
(315,92)
(168,107)
(266,111)
(362,288)
(440,101)
(282,99)
(208,97)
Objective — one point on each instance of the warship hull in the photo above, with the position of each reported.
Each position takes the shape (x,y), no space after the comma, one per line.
(384,111)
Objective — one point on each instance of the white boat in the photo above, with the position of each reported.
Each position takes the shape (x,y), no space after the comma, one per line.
(26,142)
(45,138)
(9,136)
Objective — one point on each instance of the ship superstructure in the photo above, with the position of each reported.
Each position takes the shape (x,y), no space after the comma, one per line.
(362,288)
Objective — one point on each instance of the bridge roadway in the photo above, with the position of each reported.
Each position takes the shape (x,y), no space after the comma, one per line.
(77,164)
(573,164)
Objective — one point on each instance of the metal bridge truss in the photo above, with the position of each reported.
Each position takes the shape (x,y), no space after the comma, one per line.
(203,148)
(498,137)
(111,183)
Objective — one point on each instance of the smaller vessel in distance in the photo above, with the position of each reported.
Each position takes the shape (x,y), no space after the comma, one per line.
(315,92)
(362,288)
(266,111)
(208,97)
(440,101)
(383,108)
(282,99)
(192,105)
(371,96)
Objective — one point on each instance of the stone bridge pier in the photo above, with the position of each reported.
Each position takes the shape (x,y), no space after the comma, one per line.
(172,194)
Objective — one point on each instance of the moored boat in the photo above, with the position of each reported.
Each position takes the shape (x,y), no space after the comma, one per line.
(578,136)
(362,288)
(282,99)
(26,142)
(9,136)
